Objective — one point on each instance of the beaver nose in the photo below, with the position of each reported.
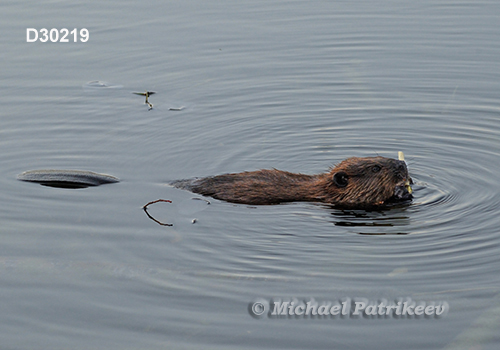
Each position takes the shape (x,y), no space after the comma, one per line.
(401,164)
(401,170)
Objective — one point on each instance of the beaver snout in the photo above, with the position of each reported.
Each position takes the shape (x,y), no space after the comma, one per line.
(402,191)
(400,170)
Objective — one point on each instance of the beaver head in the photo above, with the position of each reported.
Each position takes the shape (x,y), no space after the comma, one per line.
(365,182)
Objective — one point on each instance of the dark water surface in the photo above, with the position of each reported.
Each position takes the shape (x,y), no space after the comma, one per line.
(295,85)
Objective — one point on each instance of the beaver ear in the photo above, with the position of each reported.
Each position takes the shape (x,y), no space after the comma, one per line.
(340,179)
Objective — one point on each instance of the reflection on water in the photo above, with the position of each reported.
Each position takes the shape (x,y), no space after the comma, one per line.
(379,219)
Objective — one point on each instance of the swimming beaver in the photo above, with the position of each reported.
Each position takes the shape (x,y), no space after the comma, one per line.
(355,182)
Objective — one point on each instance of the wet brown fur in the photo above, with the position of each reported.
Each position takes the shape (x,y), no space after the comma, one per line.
(355,182)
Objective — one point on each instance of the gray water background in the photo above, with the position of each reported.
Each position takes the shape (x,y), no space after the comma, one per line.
(295,85)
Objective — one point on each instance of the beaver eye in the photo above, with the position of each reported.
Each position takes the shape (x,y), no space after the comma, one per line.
(376,168)
(340,179)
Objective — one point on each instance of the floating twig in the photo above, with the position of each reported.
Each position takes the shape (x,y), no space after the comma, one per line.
(147,94)
(145,208)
